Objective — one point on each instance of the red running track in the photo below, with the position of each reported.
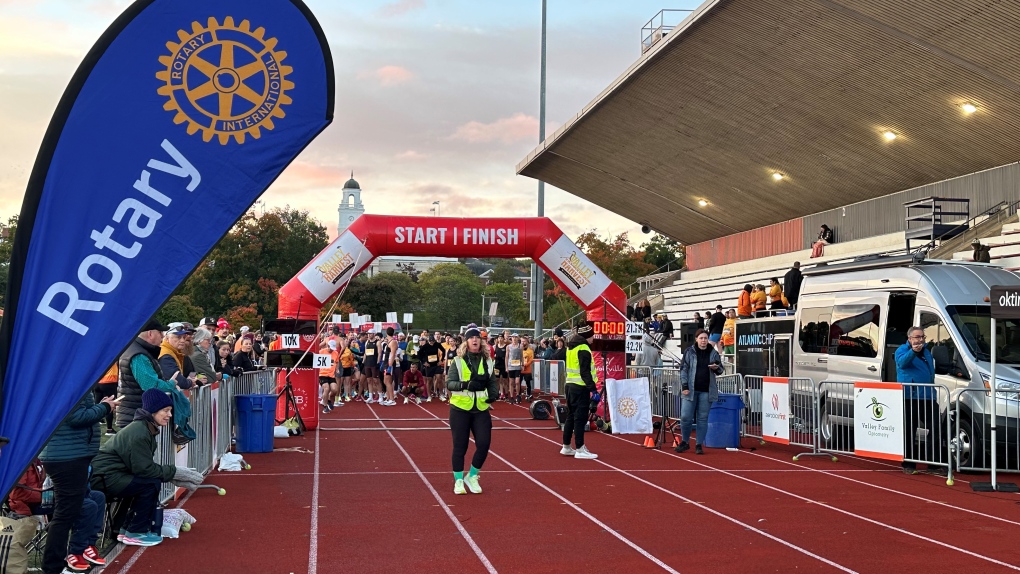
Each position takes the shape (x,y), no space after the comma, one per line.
(375,495)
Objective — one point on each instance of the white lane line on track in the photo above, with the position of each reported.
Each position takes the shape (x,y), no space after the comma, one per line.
(460,527)
(772,537)
(553,471)
(892,490)
(828,506)
(313,531)
(134,558)
(598,522)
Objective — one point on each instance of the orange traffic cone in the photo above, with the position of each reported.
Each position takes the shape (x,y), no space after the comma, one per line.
(649,442)
(676,441)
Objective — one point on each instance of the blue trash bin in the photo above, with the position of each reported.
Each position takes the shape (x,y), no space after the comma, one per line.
(724,422)
(256,417)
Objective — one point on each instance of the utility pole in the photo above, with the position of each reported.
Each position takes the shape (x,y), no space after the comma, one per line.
(537,276)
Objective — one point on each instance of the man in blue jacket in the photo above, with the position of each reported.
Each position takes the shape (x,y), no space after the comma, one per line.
(914,364)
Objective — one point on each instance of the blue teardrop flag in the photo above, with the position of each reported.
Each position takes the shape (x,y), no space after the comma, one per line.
(181,115)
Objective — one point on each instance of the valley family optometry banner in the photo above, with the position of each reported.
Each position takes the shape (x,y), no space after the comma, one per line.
(183,113)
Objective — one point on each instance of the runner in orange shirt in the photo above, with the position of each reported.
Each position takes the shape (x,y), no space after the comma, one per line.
(327,377)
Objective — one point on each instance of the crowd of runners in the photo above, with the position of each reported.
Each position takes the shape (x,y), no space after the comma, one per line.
(382,368)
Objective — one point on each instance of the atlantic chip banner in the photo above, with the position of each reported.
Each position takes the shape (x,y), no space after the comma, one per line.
(775,410)
(180,116)
(878,420)
(631,405)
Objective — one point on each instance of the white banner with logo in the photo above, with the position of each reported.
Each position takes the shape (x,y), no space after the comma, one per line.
(554,378)
(878,420)
(573,268)
(631,406)
(775,410)
(336,265)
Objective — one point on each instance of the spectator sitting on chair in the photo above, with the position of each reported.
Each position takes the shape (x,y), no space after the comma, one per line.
(125,468)
(824,238)
(665,328)
(982,253)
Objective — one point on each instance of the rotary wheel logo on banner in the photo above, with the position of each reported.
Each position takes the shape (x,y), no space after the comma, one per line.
(627,407)
(225,80)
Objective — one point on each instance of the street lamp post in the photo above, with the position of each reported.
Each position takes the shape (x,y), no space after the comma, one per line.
(538,278)
(436,208)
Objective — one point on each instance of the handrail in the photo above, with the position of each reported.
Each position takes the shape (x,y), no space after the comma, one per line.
(1011,207)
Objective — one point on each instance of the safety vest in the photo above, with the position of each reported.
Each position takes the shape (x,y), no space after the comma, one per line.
(464,400)
(574,366)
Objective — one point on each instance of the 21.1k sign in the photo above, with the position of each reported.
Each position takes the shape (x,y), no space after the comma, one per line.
(878,416)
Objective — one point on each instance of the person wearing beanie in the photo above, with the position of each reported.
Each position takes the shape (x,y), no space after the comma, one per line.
(580,390)
(125,468)
(473,385)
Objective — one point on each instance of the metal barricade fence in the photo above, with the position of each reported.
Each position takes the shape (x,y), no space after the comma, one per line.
(224,414)
(549,376)
(200,450)
(731,384)
(666,393)
(802,420)
(970,438)
(165,454)
(256,383)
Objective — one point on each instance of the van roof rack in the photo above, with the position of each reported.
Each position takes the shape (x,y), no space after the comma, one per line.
(866,262)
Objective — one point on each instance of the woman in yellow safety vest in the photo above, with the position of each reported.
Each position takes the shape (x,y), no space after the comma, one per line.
(472,385)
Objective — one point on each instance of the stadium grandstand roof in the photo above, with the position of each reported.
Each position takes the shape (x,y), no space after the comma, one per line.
(769,110)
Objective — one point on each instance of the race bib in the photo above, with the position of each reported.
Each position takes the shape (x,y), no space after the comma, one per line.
(515,363)
(433,358)
(370,352)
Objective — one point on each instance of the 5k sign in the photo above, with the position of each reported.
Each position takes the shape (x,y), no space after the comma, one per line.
(180,116)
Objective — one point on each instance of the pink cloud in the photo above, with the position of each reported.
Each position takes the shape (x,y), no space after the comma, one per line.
(401,7)
(411,155)
(507,130)
(392,75)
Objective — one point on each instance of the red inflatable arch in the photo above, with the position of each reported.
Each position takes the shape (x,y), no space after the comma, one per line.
(372,236)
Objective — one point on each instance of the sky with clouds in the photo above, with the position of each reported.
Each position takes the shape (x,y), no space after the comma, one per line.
(435,99)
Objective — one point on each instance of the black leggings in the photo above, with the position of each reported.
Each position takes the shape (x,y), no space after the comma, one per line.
(478,423)
(578,401)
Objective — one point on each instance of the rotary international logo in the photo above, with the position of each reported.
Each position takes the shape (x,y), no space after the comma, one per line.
(627,407)
(225,80)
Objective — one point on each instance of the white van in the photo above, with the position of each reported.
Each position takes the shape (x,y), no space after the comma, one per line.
(852,317)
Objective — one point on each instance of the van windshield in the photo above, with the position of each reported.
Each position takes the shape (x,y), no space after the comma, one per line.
(975,325)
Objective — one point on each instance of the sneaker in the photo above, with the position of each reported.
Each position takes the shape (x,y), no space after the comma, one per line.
(472,484)
(417,400)
(429,400)
(442,397)
(369,400)
(458,487)
(347,398)
(407,400)
(567,450)
(110,432)
(698,449)
(132,539)
(152,538)
(682,447)
(583,452)
(339,404)
(92,555)
(77,563)
(359,399)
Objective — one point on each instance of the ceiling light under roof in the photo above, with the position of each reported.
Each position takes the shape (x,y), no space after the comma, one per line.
(777,176)
(968,108)
(889,135)
(702,203)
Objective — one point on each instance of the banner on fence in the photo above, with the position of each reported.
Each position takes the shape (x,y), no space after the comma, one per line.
(554,378)
(878,418)
(631,405)
(775,409)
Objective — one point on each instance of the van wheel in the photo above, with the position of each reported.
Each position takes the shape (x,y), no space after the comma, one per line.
(968,442)
(833,435)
